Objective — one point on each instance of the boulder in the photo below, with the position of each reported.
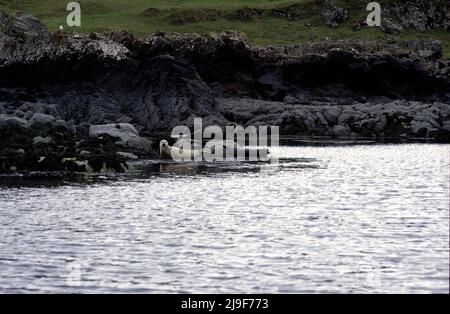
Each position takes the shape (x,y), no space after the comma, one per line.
(32,108)
(446,21)
(340,130)
(390,27)
(42,122)
(84,154)
(446,126)
(426,48)
(273,86)
(19,113)
(140,144)
(334,15)
(29,26)
(12,123)
(122,131)
(127,156)
(23,26)
(420,15)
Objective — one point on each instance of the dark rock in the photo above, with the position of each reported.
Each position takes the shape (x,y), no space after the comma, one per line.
(22,27)
(39,140)
(334,15)
(127,156)
(140,145)
(340,131)
(272,86)
(19,113)
(420,15)
(390,27)
(12,123)
(42,122)
(292,12)
(246,14)
(384,120)
(335,88)
(49,109)
(122,131)
(426,48)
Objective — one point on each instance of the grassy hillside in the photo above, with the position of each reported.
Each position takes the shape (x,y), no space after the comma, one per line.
(253,17)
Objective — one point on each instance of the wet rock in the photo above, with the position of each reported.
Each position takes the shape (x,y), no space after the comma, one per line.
(39,140)
(127,156)
(20,152)
(388,119)
(340,131)
(332,114)
(123,131)
(84,154)
(140,144)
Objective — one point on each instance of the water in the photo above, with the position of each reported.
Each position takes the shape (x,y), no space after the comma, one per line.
(329,219)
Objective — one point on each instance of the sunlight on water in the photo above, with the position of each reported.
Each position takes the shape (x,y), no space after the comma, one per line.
(327,219)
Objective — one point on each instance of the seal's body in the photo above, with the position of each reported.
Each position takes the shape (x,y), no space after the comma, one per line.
(230,151)
(178,153)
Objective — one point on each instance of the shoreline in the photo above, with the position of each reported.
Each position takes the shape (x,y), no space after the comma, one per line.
(54,87)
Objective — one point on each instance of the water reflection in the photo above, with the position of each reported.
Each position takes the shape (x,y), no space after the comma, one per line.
(366,218)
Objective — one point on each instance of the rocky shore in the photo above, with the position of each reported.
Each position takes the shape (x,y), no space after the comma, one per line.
(91,102)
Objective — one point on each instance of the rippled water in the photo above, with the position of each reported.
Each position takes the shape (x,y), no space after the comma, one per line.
(328,219)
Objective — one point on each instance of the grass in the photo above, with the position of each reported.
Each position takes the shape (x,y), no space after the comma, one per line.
(212,16)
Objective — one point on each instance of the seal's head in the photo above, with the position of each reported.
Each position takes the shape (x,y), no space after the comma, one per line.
(164,149)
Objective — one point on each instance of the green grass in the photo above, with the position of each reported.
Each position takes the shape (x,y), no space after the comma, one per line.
(101,15)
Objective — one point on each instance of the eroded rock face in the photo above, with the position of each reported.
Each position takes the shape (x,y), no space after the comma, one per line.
(23,27)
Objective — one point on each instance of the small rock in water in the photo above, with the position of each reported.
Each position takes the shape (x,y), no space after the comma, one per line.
(39,140)
(128,156)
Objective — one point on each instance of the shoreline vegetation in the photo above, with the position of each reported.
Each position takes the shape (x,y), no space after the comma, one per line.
(265,22)
(58,88)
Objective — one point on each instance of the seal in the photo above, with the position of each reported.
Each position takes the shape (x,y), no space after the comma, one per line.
(165,151)
(230,148)
(177,153)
